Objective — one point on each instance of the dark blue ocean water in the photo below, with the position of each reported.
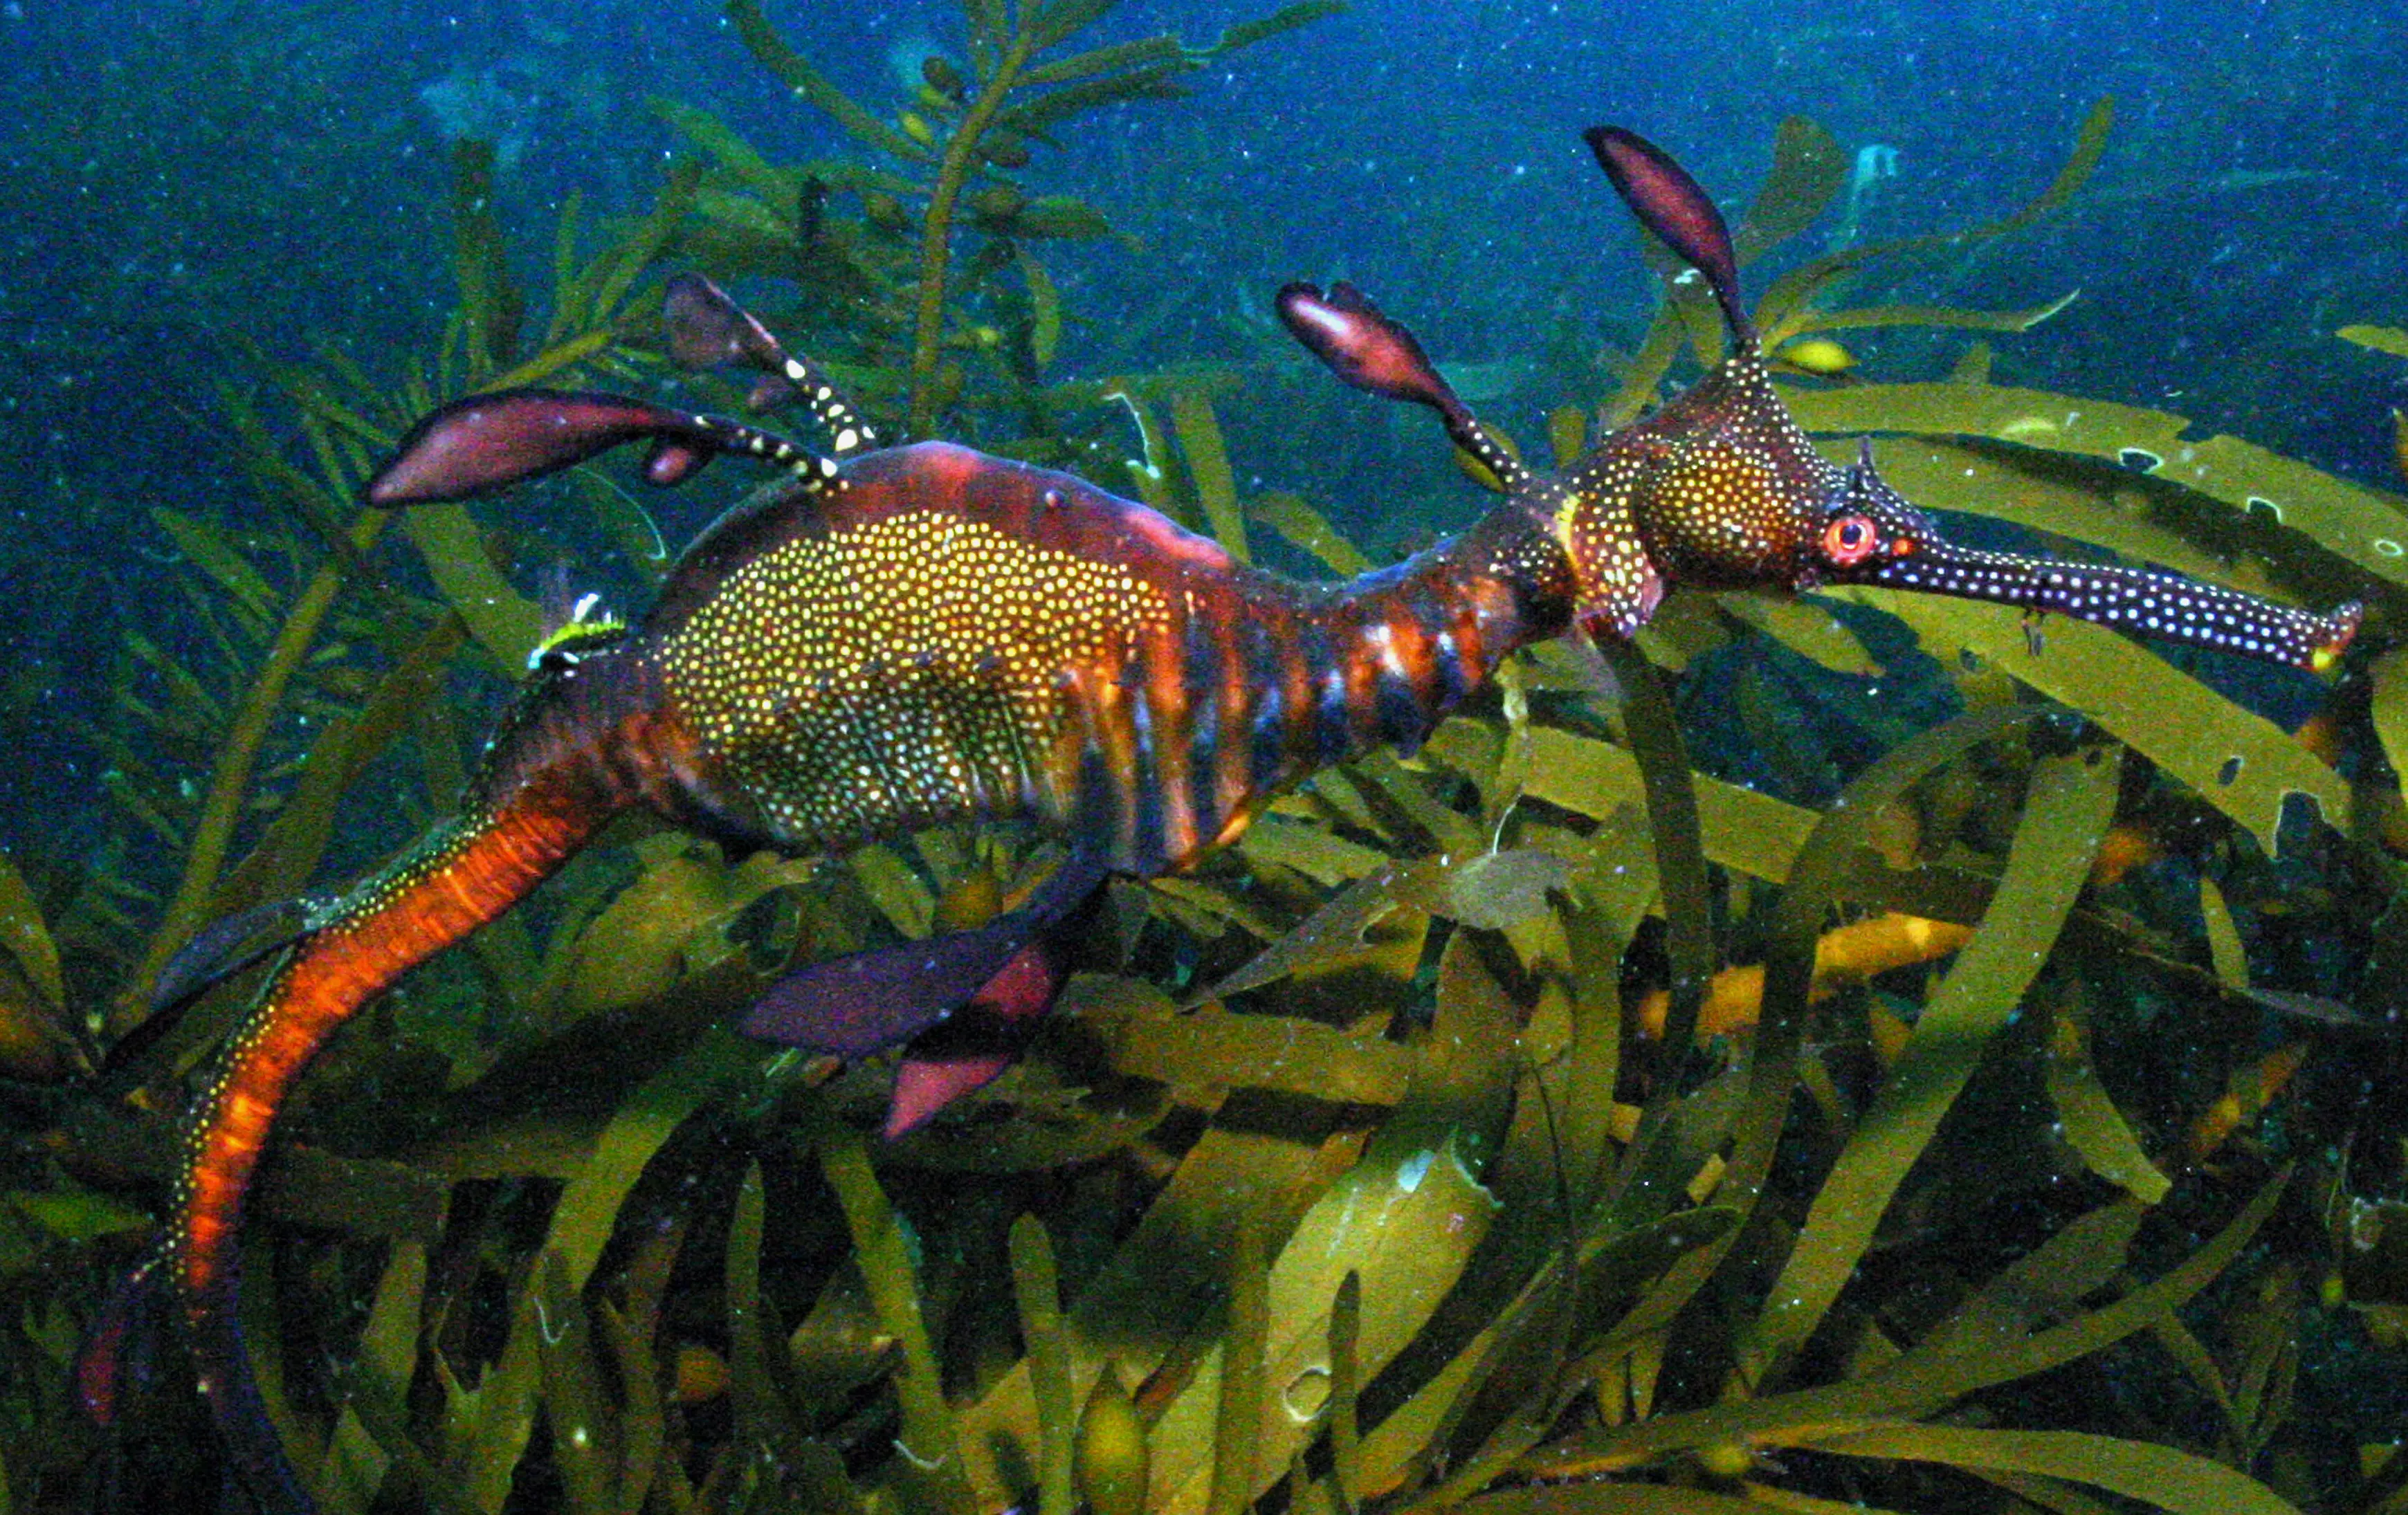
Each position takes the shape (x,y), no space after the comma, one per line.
(187,183)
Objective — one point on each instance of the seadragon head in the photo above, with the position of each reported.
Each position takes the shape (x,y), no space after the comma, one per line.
(1725,491)
(1720,489)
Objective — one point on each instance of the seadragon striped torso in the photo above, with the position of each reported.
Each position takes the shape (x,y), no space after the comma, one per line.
(940,637)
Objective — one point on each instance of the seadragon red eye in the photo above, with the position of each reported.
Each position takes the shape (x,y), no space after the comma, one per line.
(1848,540)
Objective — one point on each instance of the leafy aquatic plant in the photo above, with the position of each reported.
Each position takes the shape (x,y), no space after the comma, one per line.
(1347,1185)
(948,166)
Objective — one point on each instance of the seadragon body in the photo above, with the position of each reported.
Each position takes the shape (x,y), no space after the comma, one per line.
(908,635)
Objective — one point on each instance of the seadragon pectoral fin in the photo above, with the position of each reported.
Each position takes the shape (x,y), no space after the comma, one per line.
(963,1005)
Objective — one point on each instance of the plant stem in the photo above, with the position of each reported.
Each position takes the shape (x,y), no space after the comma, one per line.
(230,778)
(936,231)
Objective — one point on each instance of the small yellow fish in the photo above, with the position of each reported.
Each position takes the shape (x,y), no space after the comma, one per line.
(1818,355)
(916,127)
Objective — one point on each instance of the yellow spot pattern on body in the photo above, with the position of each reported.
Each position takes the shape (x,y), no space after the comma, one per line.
(918,667)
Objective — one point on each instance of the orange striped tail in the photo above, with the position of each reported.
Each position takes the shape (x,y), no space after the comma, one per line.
(466,873)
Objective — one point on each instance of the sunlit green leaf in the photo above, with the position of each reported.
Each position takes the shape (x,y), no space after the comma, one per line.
(26,937)
(2237,761)
(1208,463)
(588,1209)
(2161,1477)
(207,548)
(1286,17)
(1306,529)
(1036,1287)
(2094,1127)
(584,1427)
(506,622)
(1809,167)
(929,1438)
(77,1214)
(1742,829)
(1142,52)
(1865,317)
(1405,1219)
(1150,1293)
(2389,339)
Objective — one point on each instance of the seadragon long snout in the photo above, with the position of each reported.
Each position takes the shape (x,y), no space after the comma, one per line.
(2164,606)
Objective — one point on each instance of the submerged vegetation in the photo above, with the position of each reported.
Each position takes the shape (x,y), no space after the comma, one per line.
(1691,1090)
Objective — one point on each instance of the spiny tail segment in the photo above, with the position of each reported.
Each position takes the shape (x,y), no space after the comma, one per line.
(1378,356)
(584,742)
(707,329)
(464,875)
(489,442)
(965,1002)
(1671,204)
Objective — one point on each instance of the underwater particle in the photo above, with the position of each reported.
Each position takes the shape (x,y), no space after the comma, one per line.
(1818,355)
(2139,460)
(1413,1169)
(2028,428)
